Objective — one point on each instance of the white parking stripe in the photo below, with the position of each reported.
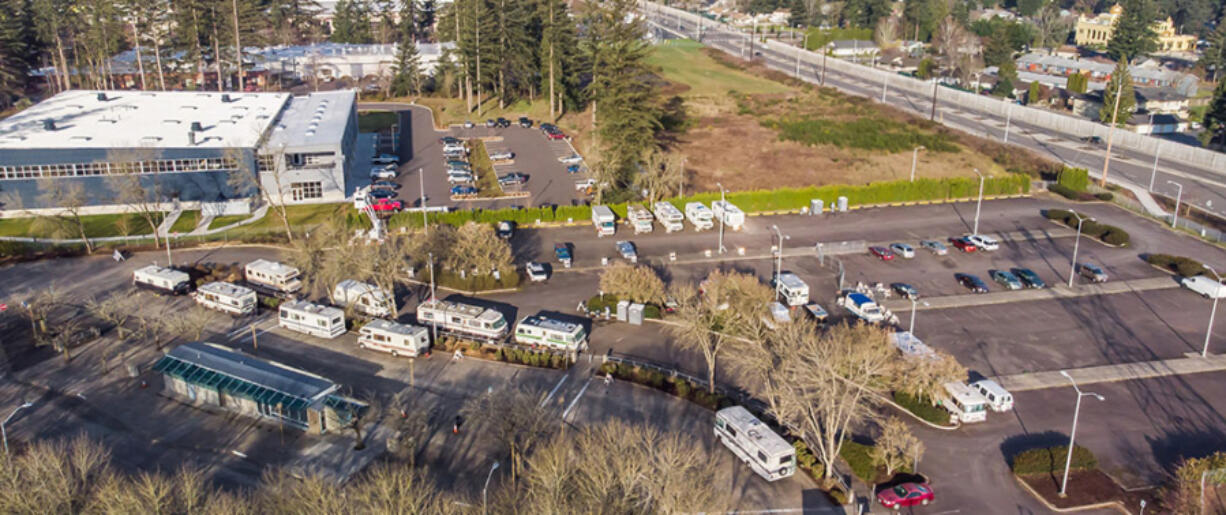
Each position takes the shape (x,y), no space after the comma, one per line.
(576,400)
(554,390)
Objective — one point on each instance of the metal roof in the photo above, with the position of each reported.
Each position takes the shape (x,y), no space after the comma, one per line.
(226,289)
(231,371)
(388,326)
(550,324)
(319,118)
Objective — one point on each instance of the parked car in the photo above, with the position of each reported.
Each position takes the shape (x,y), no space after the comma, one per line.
(906,494)
(962,244)
(450,140)
(468,124)
(936,247)
(1092,272)
(881,252)
(572,159)
(502,155)
(513,179)
(1006,279)
(380,193)
(536,271)
(627,250)
(459,177)
(572,169)
(382,173)
(458,164)
(490,124)
(455,149)
(1093,140)
(984,242)
(555,134)
(525,122)
(561,251)
(386,159)
(905,290)
(455,154)
(902,249)
(386,204)
(387,185)
(972,283)
(1029,278)
(546,127)
(463,190)
(505,229)
(502,123)
(585,184)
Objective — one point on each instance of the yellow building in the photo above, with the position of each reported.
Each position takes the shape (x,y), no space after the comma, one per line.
(1097,31)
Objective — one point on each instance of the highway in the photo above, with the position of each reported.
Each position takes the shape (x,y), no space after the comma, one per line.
(1202,187)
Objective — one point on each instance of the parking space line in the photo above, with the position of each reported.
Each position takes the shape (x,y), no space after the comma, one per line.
(553,391)
(576,399)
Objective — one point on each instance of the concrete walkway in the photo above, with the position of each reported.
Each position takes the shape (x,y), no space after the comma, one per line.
(1147,201)
(1193,364)
(201,230)
(1056,291)
(169,222)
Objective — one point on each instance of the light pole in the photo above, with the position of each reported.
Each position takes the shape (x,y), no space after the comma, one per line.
(1073,434)
(724,201)
(914,301)
(1178,197)
(779,259)
(1008,121)
(914,158)
(433,320)
(3,425)
(1072,273)
(421,184)
(1204,353)
(1154,174)
(803,46)
(485,489)
(978,204)
(884,85)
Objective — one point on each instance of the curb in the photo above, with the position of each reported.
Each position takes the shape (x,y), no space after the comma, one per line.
(1109,504)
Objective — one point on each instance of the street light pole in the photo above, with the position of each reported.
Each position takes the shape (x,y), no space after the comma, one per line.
(1008,120)
(884,85)
(1072,273)
(911,327)
(914,158)
(978,204)
(723,210)
(485,489)
(1204,353)
(3,425)
(1154,174)
(434,319)
(1073,434)
(421,181)
(1178,197)
(779,260)
(803,46)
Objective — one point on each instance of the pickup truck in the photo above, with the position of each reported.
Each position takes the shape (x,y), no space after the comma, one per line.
(561,252)
(863,307)
(626,249)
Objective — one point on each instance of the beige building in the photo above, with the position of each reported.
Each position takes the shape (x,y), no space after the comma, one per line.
(1097,31)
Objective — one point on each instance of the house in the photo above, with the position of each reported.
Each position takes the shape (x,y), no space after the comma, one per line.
(1156,123)
(1162,100)
(1097,31)
(1099,72)
(849,48)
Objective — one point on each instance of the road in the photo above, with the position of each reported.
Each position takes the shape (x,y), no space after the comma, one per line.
(1202,187)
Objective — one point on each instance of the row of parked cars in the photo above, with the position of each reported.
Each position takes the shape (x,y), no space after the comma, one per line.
(965,244)
(381,195)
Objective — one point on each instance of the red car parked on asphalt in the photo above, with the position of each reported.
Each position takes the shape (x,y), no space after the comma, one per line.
(555,134)
(906,494)
(386,204)
(882,252)
(963,243)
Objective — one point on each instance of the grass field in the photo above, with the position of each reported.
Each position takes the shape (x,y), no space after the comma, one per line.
(96,226)
(375,121)
(682,61)
(222,221)
(301,218)
(187,222)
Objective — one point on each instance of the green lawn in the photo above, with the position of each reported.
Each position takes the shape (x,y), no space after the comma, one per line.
(375,121)
(682,61)
(222,221)
(96,226)
(187,222)
(301,218)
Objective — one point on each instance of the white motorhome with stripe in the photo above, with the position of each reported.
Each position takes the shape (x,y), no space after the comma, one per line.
(463,320)
(550,332)
(767,453)
(227,298)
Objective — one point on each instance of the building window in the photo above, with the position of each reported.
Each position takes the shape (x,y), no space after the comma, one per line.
(301,191)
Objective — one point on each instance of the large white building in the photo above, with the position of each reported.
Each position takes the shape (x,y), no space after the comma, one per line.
(336,60)
(189,149)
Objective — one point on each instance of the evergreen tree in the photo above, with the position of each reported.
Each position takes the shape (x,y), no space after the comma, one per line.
(559,70)
(864,13)
(351,24)
(406,72)
(513,59)
(799,14)
(13,58)
(1215,56)
(1077,83)
(1134,35)
(1121,84)
(425,17)
(1032,95)
(1029,7)
(1214,135)
(1005,77)
(921,18)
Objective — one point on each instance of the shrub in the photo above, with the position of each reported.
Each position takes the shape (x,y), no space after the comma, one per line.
(1076,179)
(600,302)
(1108,234)
(1049,460)
(682,388)
(270,302)
(651,311)
(1105,196)
(922,407)
(860,458)
(1184,266)
(474,346)
(807,461)
(1069,193)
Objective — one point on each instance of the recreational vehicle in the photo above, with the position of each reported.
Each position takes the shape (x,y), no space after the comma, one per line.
(463,320)
(792,290)
(227,298)
(999,399)
(669,216)
(549,332)
(365,298)
(274,276)
(863,307)
(162,280)
(767,453)
(603,219)
(699,215)
(964,403)
(640,218)
(393,338)
(732,216)
(312,319)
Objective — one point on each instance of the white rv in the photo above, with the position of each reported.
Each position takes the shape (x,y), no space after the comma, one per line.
(669,216)
(366,298)
(604,221)
(312,319)
(998,398)
(274,276)
(863,307)
(639,217)
(792,290)
(463,320)
(732,216)
(549,332)
(753,442)
(964,403)
(162,280)
(227,298)
(393,338)
(699,215)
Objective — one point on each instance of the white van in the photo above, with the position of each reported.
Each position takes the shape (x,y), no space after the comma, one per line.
(998,398)
(1206,287)
(964,403)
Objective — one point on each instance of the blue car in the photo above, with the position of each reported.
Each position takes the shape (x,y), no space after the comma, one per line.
(463,190)
(572,169)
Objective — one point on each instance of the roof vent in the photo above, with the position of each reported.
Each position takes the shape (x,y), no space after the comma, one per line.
(102,96)
(49,124)
(191,138)
(225,97)
(197,127)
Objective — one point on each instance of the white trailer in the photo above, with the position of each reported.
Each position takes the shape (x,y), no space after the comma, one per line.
(227,298)
(552,333)
(964,403)
(732,216)
(604,221)
(274,276)
(863,307)
(767,453)
(162,280)
(699,215)
(669,216)
(792,290)
(639,217)
(463,320)
(393,338)
(312,319)
(365,298)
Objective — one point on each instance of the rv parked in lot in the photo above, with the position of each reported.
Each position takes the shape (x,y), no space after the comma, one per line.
(767,453)
(862,306)
(639,217)
(964,403)
(549,332)
(605,222)
(732,216)
(366,299)
(463,320)
(699,215)
(669,216)
(227,298)
(395,339)
(792,290)
(998,398)
(312,319)
(273,276)
(162,280)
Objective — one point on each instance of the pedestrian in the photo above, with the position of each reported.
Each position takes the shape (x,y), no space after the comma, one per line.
(608,381)
(455,428)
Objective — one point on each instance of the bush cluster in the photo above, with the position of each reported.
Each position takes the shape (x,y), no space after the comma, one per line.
(860,458)
(922,407)
(807,461)
(1071,194)
(1049,460)
(599,302)
(872,133)
(1184,266)
(270,302)
(674,385)
(1076,179)
(1108,234)
(532,358)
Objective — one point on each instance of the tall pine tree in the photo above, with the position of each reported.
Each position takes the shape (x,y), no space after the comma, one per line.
(406,73)
(1215,119)
(559,71)
(1134,35)
(1120,85)
(351,23)
(13,59)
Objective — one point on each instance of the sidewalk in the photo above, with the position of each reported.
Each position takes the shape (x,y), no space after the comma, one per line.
(200,230)
(1194,364)
(1147,201)
(1055,291)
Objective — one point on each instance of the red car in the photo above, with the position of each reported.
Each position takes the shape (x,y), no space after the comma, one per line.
(882,252)
(555,134)
(963,243)
(386,204)
(906,494)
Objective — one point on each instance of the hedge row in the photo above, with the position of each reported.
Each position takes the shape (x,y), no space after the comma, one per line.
(922,407)
(1108,234)
(1076,179)
(753,201)
(530,358)
(598,303)
(1050,460)
(1080,196)
(674,385)
(1184,266)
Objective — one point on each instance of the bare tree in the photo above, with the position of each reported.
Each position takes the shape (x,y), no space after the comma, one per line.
(246,177)
(896,446)
(477,247)
(662,175)
(636,283)
(960,48)
(924,377)
(70,199)
(125,183)
(53,477)
(887,32)
(366,411)
(39,306)
(117,310)
(515,419)
(759,360)
(311,253)
(732,305)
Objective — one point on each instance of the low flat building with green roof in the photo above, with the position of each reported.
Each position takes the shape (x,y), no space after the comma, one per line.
(207,374)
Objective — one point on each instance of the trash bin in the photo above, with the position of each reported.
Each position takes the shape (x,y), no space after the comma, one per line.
(623,310)
(816,206)
(842,204)
(636,314)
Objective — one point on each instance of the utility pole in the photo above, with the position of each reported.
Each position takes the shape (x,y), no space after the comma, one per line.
(933,116)
(824,56)
(1008,120)
(1178,197)
(421,184)
(1154,174)
(1111,133)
